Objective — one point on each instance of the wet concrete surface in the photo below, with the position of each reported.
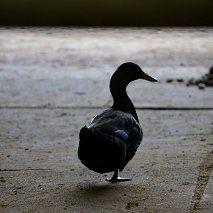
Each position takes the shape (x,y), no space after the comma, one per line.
(53,81)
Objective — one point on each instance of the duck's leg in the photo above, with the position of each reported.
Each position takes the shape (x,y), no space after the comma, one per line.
(116,179)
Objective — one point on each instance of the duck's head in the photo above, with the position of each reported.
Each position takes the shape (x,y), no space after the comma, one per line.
(124,74)
(129,72)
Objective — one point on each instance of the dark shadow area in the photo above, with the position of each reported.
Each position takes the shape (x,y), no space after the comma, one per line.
(106,13)
(97,191)
(92,195)
(106,197)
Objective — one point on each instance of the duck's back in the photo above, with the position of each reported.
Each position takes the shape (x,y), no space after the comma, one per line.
(110,141)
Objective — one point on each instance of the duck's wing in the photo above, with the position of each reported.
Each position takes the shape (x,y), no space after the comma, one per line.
(113,122)
(120,125)
(134,140)
(100,151)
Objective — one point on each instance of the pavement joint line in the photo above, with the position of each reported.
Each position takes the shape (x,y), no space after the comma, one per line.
(16,170)
(205,169)
(104,107)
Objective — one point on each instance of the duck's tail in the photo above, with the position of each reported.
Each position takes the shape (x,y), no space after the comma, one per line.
(100,152)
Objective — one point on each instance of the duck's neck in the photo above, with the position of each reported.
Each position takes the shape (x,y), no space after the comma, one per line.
(121,99)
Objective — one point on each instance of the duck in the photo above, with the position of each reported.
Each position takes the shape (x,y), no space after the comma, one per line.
(110,140)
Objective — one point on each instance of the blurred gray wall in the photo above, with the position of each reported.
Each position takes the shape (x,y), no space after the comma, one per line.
(107,12)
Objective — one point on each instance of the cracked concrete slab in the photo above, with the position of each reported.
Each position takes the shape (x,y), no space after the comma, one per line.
(39,163)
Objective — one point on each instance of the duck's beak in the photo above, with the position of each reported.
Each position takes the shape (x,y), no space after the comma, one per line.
(148,77)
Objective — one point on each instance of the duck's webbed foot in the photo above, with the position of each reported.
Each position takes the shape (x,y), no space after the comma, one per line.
(116,179)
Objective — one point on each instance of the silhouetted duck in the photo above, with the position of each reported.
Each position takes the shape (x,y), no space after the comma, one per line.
(112,137)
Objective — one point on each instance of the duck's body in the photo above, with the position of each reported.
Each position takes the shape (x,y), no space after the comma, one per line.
(111,139)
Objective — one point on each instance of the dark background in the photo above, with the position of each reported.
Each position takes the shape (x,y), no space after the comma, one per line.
(107,12)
